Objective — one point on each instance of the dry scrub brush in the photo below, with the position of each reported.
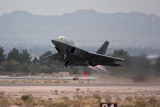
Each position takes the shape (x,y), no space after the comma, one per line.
(92,100)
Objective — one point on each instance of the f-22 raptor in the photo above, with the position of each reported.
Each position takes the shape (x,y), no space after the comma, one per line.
(72,55)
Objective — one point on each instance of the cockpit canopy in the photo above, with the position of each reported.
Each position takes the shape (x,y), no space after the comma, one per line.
(61,37)
(64,40)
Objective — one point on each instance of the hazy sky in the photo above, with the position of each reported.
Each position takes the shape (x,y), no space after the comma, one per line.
(58,7)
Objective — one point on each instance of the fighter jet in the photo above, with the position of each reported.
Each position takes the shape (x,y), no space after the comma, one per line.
(69,54)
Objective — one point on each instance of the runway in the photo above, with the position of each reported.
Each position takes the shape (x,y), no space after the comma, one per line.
(72,83)
(43,78)
(77,85)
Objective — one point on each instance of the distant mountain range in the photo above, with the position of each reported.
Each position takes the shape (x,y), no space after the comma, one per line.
(127,30)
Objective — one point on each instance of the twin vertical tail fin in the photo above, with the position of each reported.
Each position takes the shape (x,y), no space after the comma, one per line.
(102,50)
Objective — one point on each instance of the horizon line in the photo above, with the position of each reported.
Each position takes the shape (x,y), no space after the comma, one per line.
(77,11)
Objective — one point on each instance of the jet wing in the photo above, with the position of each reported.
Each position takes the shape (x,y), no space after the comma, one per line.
(105,60)
(56,56)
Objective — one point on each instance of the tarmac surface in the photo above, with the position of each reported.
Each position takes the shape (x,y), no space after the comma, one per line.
(73,83)
(79,85)
(43,78)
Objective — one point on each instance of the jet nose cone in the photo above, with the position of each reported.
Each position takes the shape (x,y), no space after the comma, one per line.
(54,41)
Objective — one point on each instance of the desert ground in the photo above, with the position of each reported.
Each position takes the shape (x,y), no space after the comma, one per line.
(45,93)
